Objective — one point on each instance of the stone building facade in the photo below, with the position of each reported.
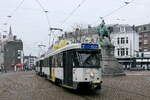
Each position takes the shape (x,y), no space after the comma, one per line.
(144,37)
(88,35)
(126,41)
(11,51)
(29,61)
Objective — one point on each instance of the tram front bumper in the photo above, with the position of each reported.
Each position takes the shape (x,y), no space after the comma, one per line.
(89,85)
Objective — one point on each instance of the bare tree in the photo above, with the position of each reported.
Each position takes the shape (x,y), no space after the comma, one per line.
(77,28)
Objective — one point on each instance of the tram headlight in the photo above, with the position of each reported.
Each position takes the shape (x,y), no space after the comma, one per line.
(92,75)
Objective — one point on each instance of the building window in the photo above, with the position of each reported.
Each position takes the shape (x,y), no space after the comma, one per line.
(127,51)
(126,40)
(140,35)
(144,28)
(140,43)
(122,51)
(140,40)
(122,40)
(145,49)
(145,35)
(122,29)
(118,50)
(145,41)
(118,40)
(139,29)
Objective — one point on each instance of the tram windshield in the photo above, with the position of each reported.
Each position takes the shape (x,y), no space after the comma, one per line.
(88,58)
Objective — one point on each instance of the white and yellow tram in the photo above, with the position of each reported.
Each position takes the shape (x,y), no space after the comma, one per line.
(73,66)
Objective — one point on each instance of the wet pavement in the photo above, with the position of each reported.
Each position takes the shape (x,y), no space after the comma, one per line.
(29,86)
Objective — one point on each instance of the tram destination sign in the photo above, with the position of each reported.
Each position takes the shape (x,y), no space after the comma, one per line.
(89,46)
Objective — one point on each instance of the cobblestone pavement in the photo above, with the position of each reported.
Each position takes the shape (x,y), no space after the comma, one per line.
(28,86)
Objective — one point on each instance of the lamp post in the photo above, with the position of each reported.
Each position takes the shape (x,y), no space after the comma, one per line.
(49,39)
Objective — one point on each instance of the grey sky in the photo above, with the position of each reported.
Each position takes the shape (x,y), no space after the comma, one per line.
(30,24)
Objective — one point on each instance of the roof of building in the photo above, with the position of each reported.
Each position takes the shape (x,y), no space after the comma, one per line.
(143,28)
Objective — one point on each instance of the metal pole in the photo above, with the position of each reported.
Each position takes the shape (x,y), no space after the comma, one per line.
(22,59)
(130,53)
(49,38)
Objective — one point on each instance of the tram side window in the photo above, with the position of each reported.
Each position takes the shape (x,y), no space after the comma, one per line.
(50,61)
(53,61)
(41,63)
(59,60)
(44,64)
(75,59)
(56,60)
(47,62)
(36,63)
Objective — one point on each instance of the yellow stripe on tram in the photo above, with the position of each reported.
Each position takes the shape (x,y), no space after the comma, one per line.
(67,86)
(53,74)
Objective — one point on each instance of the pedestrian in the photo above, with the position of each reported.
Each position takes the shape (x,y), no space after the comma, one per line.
(0,69)
(3,68)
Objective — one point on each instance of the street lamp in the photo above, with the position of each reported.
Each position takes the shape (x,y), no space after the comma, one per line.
(9,16)
(49,39)
(56,29)
(46,11)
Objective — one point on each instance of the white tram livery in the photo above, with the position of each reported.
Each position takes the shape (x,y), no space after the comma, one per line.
(73,66)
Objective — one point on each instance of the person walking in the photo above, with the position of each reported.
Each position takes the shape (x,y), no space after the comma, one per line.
(3,68)
(0,68)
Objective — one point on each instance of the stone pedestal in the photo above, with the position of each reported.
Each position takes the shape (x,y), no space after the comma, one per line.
(110,65)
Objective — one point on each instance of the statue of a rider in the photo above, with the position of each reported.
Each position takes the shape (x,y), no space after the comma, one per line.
(104,34)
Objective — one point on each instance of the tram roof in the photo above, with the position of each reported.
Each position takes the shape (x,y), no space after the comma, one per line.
(65,48)
(38,59)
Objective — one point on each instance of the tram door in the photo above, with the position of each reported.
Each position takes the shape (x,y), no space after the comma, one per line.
(67,64)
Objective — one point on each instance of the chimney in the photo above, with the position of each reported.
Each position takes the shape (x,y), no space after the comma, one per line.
(89,27)
(4,36)
(14,37)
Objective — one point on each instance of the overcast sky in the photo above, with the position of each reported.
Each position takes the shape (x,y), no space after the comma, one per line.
(31,25)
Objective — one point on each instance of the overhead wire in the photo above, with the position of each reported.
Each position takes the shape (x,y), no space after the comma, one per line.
(15,10)
(46,15)
(40,5)
(115,10)
(20,4)
(73,11)
(45,11)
